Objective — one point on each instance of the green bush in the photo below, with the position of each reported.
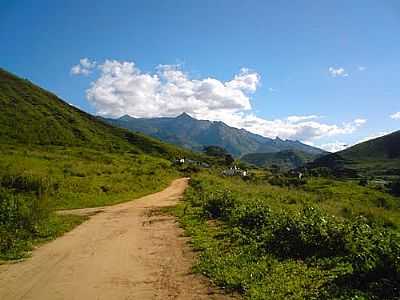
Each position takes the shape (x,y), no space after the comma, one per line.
(374,252)
(219,205)
(20,218)
(260,245)
(25,183)
(251,216)
(305,234)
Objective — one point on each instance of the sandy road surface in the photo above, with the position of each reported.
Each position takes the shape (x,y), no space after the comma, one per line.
(122,252)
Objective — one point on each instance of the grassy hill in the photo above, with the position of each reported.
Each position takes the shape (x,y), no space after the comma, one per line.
(287,159)
(31,115)
(376,157)
(53,155)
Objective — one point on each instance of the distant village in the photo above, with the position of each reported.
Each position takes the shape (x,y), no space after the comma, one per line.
(231,171)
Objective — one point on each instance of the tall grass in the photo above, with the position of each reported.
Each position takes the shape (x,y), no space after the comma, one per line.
(36,181)
(253,240)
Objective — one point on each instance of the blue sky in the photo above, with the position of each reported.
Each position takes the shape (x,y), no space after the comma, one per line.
(324,72)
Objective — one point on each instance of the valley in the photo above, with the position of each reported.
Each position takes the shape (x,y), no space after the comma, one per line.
(299,223)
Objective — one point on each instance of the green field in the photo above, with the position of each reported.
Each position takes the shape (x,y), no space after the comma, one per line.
(322,239)
(35,181)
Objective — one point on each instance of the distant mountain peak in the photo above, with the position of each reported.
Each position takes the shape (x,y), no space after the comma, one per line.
(185,115)
(126,118)
(186,131)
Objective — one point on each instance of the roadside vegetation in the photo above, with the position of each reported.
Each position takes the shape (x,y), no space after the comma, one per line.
(36,181)
(55,156)
(285,238)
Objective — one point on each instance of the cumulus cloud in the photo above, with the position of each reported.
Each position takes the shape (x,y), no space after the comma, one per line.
(122,88)
(395,116)
(84,67)
(334,146)
(292,127)
(337,72)
(361,68)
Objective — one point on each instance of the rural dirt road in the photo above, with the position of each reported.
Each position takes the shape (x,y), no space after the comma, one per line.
(122,252)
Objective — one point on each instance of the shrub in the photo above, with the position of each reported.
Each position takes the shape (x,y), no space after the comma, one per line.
(307,233)
(251,216)
(352,258)
(23,208)
(374,253)
(219,205)
(25,183)
(19,219)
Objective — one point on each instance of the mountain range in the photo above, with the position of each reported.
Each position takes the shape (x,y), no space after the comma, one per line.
(194,134)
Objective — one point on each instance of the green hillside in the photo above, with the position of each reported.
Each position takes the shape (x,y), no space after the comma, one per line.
(55,156)
(383,148)
(31,115)
(377,157)
(287,159)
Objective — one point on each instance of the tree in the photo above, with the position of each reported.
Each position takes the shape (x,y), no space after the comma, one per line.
(229,159)
(215,151)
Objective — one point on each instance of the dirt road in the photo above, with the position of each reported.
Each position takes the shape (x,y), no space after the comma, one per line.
(122,252)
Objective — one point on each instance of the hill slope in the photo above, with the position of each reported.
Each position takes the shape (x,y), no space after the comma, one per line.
(53,155)
(380,156)
(286,159)
(195,134)
(32,115)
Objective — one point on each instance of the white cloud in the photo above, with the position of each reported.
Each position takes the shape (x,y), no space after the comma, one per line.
(84,67)
(334,146)
(339,72)
(395,116)
(295,119)
(361,68)
(359,122)
(338,146)
(122,88)
(272,90)
(293,127)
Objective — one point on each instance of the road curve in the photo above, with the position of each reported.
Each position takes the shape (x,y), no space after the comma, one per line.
(122,252)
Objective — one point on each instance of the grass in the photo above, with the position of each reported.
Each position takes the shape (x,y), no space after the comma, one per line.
(31,115)
(55,156)
(51,228)
(272,242)
(36,181)
(78,177)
